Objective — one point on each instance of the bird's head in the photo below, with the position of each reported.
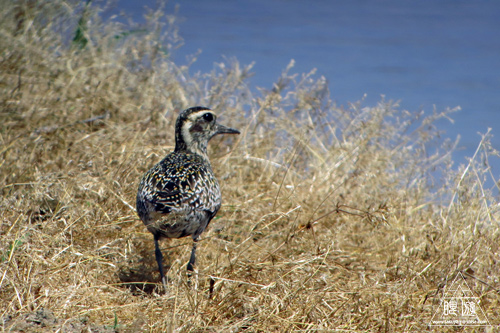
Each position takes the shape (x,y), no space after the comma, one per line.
(195,127)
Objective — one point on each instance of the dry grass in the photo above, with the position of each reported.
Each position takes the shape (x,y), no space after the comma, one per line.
(333,218)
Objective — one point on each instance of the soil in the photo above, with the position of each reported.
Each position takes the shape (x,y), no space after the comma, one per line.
(43,320)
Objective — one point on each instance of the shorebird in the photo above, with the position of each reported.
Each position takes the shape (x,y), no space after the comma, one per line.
(180,195)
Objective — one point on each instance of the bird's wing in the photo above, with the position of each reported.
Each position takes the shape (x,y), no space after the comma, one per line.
(186,190)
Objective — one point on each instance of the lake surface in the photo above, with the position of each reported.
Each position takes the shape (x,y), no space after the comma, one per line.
(424,53)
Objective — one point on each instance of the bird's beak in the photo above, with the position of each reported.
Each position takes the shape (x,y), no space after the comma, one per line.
(221,129)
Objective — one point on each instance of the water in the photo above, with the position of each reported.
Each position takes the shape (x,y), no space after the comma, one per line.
(423,53)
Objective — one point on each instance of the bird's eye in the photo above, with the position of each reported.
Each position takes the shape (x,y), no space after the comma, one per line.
(208,117)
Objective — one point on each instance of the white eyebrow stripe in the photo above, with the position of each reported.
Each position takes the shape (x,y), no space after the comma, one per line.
(196,115)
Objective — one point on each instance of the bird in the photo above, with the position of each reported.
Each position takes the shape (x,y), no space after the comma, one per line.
(179,196)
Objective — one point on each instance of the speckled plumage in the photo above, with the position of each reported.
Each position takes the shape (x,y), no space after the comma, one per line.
(180,195)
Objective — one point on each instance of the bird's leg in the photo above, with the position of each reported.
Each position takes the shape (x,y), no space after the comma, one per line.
(192,260)
(159,260)
(211,288)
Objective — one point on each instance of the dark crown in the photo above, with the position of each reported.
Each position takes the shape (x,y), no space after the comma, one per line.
(195,127)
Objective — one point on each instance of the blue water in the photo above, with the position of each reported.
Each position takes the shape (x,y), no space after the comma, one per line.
(424,53)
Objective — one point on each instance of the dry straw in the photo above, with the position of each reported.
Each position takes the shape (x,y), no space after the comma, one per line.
(346,218)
